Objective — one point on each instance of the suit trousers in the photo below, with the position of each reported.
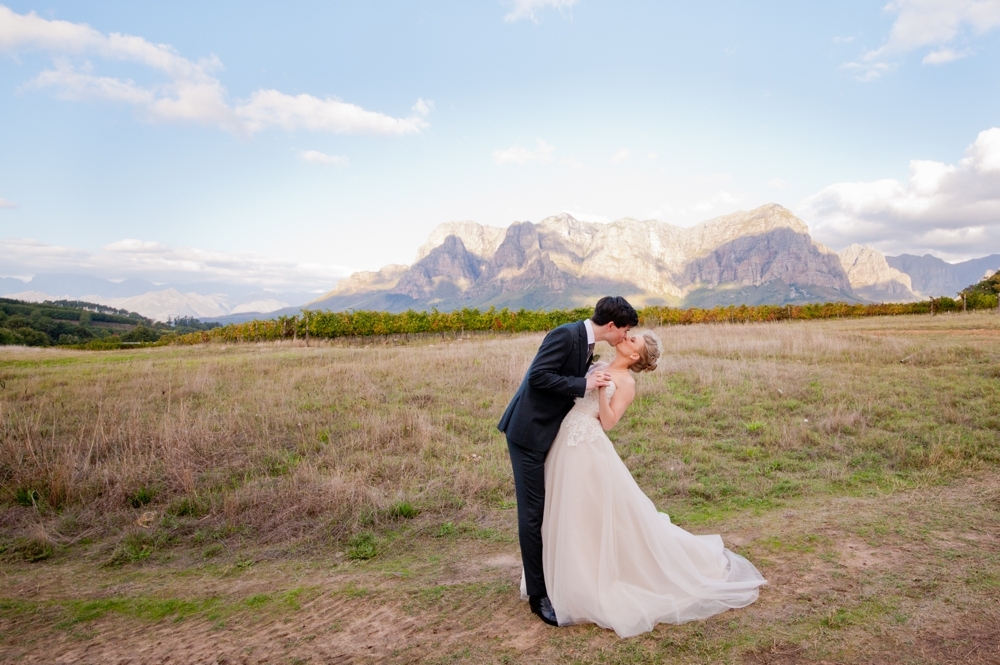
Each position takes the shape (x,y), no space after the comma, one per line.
(529,488)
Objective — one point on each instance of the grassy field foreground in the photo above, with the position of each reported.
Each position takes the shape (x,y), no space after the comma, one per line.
(276,503)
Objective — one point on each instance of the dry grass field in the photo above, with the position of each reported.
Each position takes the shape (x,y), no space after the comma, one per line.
(348,503)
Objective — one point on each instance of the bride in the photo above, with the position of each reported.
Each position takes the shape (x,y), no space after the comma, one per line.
(609,556)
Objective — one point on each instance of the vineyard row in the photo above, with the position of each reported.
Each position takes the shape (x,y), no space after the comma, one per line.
(330,325)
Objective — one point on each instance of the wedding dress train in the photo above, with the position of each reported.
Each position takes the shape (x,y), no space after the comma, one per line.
(610,557)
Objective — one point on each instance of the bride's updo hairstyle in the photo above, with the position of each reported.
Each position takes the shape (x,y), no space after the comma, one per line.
(650,353)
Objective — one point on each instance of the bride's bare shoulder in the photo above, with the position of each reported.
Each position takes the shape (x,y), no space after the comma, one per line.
(622,378)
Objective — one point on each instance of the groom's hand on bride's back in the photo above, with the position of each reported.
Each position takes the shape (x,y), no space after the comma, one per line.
(598,380)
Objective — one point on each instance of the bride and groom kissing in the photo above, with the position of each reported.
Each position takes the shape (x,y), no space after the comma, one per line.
(594,548)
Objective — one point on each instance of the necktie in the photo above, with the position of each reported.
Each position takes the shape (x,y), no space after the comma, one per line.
(590,352)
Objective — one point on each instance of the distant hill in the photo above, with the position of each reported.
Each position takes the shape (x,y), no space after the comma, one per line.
(156,301)
(75,322)
(933,277)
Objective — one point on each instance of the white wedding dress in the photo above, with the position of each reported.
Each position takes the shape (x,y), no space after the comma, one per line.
(610,557)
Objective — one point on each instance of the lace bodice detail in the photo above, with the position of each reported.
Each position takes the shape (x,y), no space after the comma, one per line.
(585,414)
(588,403)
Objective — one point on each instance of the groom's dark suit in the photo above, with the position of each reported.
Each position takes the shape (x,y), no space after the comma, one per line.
(531,422)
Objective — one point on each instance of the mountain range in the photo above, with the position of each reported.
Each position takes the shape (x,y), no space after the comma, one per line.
(761,256)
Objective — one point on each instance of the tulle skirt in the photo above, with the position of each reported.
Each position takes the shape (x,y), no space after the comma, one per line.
(612,559)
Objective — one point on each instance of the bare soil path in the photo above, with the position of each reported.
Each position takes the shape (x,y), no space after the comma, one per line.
(908,577)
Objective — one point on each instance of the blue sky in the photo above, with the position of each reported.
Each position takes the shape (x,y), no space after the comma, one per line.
(293,143)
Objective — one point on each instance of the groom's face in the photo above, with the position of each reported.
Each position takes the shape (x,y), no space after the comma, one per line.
(617,334)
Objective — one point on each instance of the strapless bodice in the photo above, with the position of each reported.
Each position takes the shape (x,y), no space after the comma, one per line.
(589,404)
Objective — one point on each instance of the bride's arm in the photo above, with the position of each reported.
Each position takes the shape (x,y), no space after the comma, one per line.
(613,409)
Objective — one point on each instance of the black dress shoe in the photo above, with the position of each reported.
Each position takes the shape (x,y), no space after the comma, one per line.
(542,606)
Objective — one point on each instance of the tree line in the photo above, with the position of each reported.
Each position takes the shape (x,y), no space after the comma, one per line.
(87,325)
(332,325)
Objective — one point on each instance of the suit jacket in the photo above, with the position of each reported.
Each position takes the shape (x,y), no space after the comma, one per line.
(546,394)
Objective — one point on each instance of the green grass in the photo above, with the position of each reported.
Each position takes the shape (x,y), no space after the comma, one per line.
(251,458)
(152,610)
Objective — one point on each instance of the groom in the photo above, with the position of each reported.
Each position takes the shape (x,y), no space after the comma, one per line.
(557,375)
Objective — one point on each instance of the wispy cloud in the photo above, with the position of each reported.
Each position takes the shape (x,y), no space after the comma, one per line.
(162,263)
(950,208)
(927,23)
(944,55)
(652,157)
(778,183)
(529,8)
(521,155)
(4,203)
(189,90)
(317,157)
(621,156)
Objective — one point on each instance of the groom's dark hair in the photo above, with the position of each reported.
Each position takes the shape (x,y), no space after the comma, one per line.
(616,309)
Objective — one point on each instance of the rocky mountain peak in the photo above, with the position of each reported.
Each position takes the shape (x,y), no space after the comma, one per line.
(366,280)
(871,275)
(759,220)
(477,239)
(448,270)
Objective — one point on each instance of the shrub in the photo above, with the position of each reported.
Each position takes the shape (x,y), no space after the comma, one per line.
(403,509)
(141,333)
(363,546)
(31,337)
(10,337)
(141,497)
(188,506)
(133,548)
(27,497)
(33,548)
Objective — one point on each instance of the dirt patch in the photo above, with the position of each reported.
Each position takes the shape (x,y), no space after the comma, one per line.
(328,630)
(777,654)
(508,566)
(854,554)
(975,642)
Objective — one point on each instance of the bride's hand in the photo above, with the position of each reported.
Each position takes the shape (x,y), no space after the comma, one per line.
(598,380)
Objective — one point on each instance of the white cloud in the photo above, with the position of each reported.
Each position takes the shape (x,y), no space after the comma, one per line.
(652,157)
(951,208)
(272,108)
(520,155)
(161,263)
(928,23)
(423,107)
(621,156)
(528,8)
(132,246)
(190,91)
(944,55)
(843,40)
(778,183)
(4,203)
(317,157)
